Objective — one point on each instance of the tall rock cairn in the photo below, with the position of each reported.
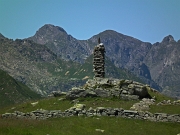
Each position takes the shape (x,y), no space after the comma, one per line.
(99,60)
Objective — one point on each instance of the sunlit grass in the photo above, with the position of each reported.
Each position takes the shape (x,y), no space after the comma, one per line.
(84,125)
(169,109)
(88,125)
(55,103)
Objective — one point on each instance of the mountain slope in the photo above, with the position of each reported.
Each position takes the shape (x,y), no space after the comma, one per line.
(35,65)
(60,43)
(157,65)
(111,71)
(43,71)
(12,91)
(163,62)
(124,51)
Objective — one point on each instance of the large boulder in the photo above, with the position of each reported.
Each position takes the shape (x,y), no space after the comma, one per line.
(102,93)
(141,91)
(80,92)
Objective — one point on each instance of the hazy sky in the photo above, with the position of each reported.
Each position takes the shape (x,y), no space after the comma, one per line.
(147,20)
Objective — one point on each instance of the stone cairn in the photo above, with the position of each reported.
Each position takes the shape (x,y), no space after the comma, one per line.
(99,60)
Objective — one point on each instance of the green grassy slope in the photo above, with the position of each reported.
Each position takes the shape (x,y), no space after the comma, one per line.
(12,91)
(84,125)
(111,70)
(88,126)
(54,103)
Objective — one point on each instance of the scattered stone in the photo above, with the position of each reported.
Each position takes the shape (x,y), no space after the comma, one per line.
(169,102)
(99,130)
(75,101)
(13,108)
(34,103)
(57,93)
(61,99)
(143,105)
(86,77)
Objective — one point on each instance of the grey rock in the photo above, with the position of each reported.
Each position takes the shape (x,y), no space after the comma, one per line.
(102,93)
(79,110)
(106,87)
(141,91)
(129,97)
(88,93)
(58,93)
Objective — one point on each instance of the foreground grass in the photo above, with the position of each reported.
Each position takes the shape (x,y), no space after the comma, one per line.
(83,125)
(55,103)
(87,125)
(169,109)
(58,104)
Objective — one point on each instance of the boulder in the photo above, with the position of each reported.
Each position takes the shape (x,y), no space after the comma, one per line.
(58,93)
(88,93)
(141,91)
(102,93)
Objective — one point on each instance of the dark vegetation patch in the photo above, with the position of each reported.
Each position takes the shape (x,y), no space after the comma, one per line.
(14,92)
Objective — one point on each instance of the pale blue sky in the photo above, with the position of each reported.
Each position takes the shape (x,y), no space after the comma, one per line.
(147,20)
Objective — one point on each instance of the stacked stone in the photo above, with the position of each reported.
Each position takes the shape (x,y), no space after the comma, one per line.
(79,110)
(99,61)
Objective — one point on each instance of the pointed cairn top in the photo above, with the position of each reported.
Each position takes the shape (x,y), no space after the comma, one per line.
(99,40)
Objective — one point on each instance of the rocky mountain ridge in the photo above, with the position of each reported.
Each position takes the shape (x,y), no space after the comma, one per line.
(43,71)
(62,44)
(157,64)
(124,51)
(163,62)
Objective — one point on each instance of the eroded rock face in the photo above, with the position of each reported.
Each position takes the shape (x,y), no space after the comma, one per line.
(105,87)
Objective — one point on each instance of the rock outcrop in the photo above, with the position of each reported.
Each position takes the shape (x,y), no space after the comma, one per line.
(106,87)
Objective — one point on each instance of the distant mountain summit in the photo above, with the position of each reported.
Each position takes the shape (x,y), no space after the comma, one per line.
(62,44)
(164,65)
(168,39)
(48,33)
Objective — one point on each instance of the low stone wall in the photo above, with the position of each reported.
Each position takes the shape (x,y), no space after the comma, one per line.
(169,102)
(99,111)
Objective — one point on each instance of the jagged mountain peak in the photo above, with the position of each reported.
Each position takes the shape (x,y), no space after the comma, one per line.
(168,39)
(114,35)
(48,33)
(52,28)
